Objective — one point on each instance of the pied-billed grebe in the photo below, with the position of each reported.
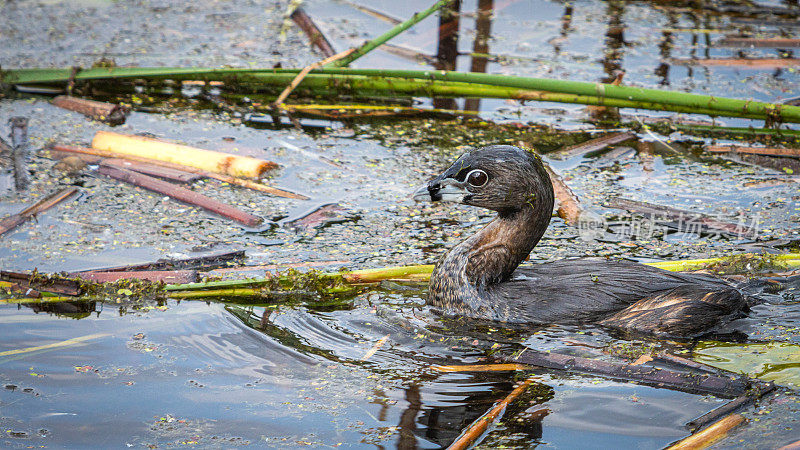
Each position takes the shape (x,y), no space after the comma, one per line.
(479,277)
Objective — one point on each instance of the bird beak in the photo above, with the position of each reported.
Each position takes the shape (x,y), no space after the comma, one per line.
(446,190)
(422,194)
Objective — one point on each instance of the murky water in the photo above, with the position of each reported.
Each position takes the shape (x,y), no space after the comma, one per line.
(140,373)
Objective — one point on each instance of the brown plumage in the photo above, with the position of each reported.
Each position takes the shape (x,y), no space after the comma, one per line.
(479,278)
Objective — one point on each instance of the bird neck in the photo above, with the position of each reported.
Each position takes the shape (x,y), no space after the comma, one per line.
(490,256)
(496,251)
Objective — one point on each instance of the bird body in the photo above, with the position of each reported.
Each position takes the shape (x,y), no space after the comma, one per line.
(479,278)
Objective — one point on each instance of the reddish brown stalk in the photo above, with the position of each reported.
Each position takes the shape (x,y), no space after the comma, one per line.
(182,194)
(313,32)
(791,152)
(104,112)
(592,145)
(152,169)
(15,220)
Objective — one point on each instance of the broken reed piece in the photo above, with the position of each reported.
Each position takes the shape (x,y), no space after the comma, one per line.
(299,78)
(211,261)
(156,276)
(569,207)
(703,383)
(592,145)
(409,53)
(166,173)
(208,160)
(685,218)
(479,426)
(19,152)
(261,187)
(732,41)
(313,32)
(182,194)
(708,436)
(685,363)
(153,170)
(758,391)
(766,151)
(755,63)
(318,217)
(41,283)
(375,13)
(101,111)
(15,220)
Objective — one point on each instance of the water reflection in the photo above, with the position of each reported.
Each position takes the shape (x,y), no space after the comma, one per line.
(435,408)
(665,49)
(447,46)
(480,46)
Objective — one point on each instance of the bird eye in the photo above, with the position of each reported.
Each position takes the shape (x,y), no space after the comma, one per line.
(477,178)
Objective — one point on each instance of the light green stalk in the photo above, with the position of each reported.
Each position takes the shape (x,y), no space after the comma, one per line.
(439,83)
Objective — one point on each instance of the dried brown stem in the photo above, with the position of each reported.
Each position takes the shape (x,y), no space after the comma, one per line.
(14,220)
(211,261)
(686,217)
(313,32)
(569,207)
(182,194)
(104,112)
(731,406)
(39,283)
(790,152)
(299,78)
(592,145)
(721,386)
